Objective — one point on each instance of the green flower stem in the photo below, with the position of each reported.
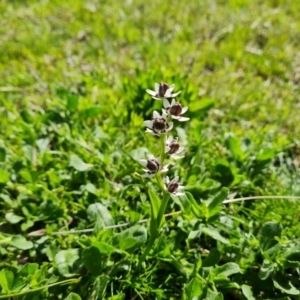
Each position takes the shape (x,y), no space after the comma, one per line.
(147,250)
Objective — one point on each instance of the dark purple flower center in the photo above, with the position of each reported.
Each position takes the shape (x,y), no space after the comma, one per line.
(172,187)
(159,124)
(175,109)
(152,165)
(174,146)
(163,87)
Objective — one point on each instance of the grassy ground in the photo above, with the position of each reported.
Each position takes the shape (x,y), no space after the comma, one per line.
(72,104)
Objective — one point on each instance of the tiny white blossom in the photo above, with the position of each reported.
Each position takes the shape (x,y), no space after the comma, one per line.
(173,148)
(175,110)
(163,91)
(173,186)
(158,125)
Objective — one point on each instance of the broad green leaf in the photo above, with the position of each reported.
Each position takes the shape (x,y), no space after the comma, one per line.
(203,104)
(246,289)
(211,295)
(67,262)
(6,279)
(266,270)
(194,289)
(78,164)
(98,213)
(226,270)
(4,176)
(235,146)
(28,269)
(268,232)
(135,236)
(212,259)
(20,242)
(214,233)
(285,285)
(92,260)
(104,248)
(73,296)
(12,218)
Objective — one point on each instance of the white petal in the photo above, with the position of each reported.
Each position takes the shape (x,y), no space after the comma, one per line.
(175,94)
(156,115)
(157,159)
(148,123)
(180,149)
(150,131)
(175,117)
(183,119)
(174,156)
(171,87)
(184,109)
(173,102)
(143,162)
(170,126)
(168,94)
(166,103)
(179,194)
(152,93)
(175,179)
(156,85)
(164,114)
(156,98)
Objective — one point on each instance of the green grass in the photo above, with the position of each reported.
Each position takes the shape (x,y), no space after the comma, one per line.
(73,80)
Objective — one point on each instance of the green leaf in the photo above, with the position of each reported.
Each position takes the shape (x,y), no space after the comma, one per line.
(130,238)
(104,248)
(92,260)
(2,154)
(155,205)
(235,146)
(268,232)
(226,270)
(211,295)
(90,112)
(73,296)
(246,289)
(100,285)
(20,242)
(214,233)
(6,279)
(98,213)
(212,259)
(203,104)
(67,262)
(284,285)
(72,102)
(78,164)
(12,218)
(4,176)
(266,270)
(217,200)
(194,289)
(28,269)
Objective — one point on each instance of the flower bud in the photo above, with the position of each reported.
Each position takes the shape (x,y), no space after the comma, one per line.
(152,165)
(173,147)
(175,109)
(172,187)
(159,124)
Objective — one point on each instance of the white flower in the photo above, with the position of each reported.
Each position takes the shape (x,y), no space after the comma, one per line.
(159,124)
(173,148)
(175,110)
(173,186)
(162,91)
(153,166)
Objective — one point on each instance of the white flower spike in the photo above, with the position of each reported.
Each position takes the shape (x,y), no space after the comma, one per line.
(175,110)
(159,124)
(163,91)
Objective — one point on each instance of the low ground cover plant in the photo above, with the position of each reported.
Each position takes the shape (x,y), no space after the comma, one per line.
(110,189)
